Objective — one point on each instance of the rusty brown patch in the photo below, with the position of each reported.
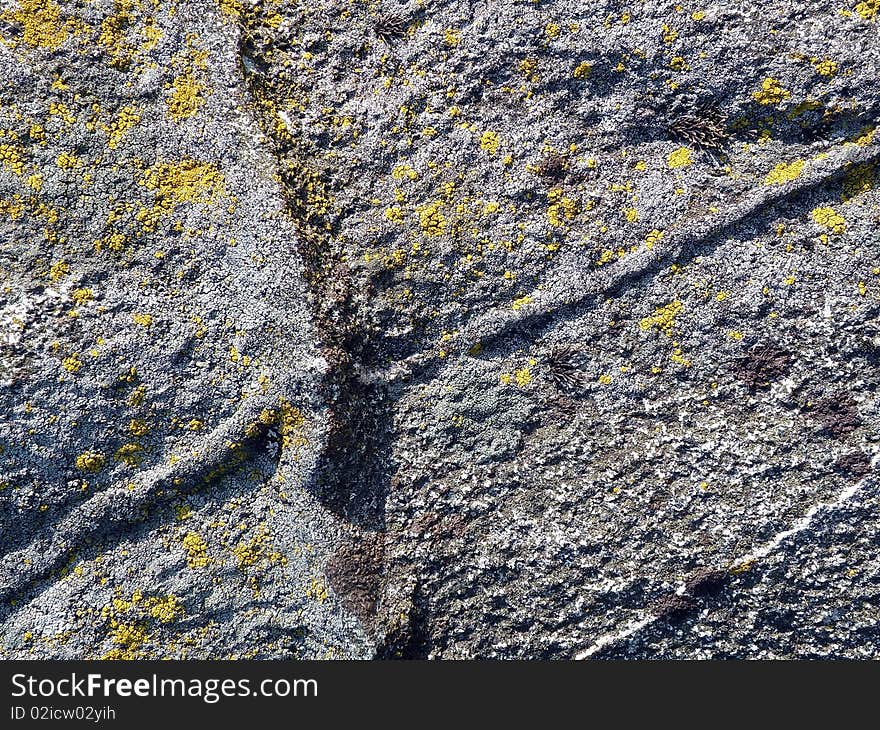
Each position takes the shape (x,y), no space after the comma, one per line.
(838,414)
(356,573)
(763,364)
(854,464)
(673,607)
(706,581)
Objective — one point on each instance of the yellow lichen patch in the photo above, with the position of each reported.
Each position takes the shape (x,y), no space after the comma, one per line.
(11,158)
(196,550)
(521,302)
(116,32)
(256,549)
(528,67)
(489,141)
(865,137)
(653,238)
(287,418)
(663,318)
(771,92)
(784,173)
(679,158)
(112,242)
(318,590)
(59,270)
(830,219)
(72,363)
(561,208)
(41,23)
(187,96)
(165,610)
(605,379)
(404,172)
(432,221)
(81,296)
(868,9)
(127,118)
(523,377)
(394,214)
(67,161)
(631,215)
(142,319)
(582,70)
(187,181)
(138,427)
(57,109)
(129,454)
(90,461)
(137,396)
(858,179)
(232,8)
(825,67)
(174,183)
(128,637)
(451,37)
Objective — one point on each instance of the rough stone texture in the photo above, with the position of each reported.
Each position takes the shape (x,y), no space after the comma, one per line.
(439,329)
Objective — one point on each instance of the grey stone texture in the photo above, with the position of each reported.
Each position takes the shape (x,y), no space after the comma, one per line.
(438,329)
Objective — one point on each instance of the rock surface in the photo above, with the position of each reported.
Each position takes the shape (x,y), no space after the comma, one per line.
(438,329)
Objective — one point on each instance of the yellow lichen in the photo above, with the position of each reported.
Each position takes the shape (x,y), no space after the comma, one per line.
(825,67)
(59,270)
(679,158)
(142,319)
(90,461)
(67,160)
(232,8)
(771,92)
(868,9)
(11,158)
(394,214)
(523,377)
(187,181)
(663,318)
(830,219)
(318,590)
(653,238)
(187,96)
(561,208)
(858,179)
(128,117)
(784,173)
(582,70)
(128,637)
(138,427)
(41,23)
(72,363)
(521,302)
(432,221)
(166,609)
(489,141)
(196,550)
(81,296)
(129,454)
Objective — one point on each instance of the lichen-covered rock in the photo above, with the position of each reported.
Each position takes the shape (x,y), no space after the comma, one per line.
(162,415)
(439,329)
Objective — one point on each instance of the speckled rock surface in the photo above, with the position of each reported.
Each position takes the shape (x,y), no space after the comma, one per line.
(439,329)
